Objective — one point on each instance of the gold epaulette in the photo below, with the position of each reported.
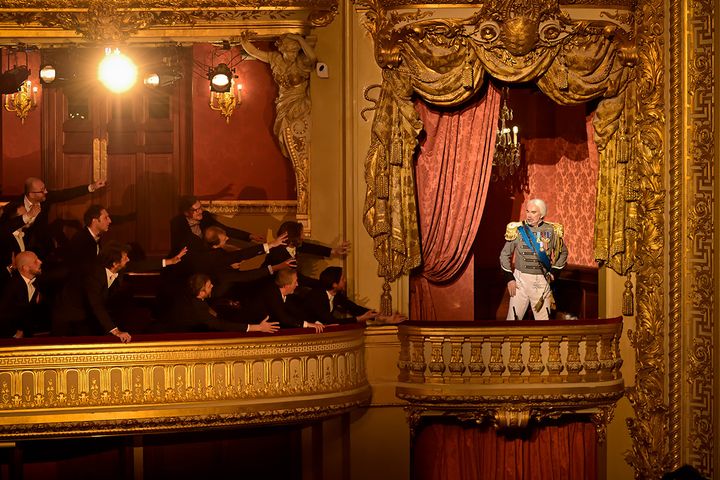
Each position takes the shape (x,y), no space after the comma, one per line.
(557,229)
(511,231)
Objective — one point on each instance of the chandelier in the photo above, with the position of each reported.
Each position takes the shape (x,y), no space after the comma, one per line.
(507,147)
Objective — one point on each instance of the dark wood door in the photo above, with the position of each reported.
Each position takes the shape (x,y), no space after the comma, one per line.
(137,141)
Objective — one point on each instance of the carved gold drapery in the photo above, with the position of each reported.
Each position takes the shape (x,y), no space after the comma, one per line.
(445,62)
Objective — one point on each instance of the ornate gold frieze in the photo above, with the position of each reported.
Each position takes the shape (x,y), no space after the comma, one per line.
(243,207)
(393,4)
(119,20)
(442,370)
(649,428)
(146,386)
(693,155)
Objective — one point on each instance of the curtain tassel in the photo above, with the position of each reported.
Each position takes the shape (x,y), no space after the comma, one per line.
(386,300)
(382,186)
(628,301)
(396,148)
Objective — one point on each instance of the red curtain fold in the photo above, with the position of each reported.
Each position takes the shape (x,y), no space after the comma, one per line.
(563,451)
(452,176)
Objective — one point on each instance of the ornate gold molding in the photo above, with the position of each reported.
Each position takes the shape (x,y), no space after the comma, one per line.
(60,390)
(233,208)
(121,20)
(693,155)
(649,428)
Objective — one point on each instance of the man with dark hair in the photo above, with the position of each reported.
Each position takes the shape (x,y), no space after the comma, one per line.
(296,246)
(38,237)
(85,245)
(328,303)
(186,228)
(83,307)
(19,303)
(190,312)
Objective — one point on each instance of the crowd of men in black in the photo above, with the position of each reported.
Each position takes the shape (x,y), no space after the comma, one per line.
(75,287)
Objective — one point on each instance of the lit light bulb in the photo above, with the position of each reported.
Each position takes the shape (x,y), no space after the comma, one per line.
(117,72)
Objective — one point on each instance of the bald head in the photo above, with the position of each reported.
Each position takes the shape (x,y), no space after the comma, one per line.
(28,264)
(35,190)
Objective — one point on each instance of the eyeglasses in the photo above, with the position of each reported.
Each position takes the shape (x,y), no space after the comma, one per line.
(44,190)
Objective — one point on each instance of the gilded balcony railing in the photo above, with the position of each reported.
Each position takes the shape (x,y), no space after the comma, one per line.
(179,382)
(511,372)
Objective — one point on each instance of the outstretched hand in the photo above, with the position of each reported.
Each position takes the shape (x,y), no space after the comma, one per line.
(265,326)
(289,263)
(341,249)
(176,258)
(97,185)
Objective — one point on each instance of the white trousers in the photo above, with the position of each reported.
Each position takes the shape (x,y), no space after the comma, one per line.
(530,289)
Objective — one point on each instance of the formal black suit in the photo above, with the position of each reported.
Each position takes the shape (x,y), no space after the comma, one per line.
(280,254)
(268,301)
(17,311)
(343,310)
(181,234)
(38,237)
(190,314)
(82,249)
(84,304)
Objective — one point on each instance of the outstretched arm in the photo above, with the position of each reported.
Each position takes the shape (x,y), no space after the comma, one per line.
(252,49)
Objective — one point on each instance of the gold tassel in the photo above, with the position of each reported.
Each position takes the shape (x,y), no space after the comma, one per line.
(382,186)
(386,300)
(396,148)
(628,301)
(467,73)
(623,148)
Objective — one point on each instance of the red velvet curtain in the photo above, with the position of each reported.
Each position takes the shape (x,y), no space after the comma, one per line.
(452,176)
(561,451)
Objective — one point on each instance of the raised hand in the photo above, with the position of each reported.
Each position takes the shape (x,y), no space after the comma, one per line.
(280,240)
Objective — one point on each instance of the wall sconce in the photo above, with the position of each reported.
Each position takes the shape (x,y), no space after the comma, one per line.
(225,102)
(222,92)
(507,147)
(22,101)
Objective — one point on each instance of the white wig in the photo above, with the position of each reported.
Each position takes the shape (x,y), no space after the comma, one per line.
(539,204)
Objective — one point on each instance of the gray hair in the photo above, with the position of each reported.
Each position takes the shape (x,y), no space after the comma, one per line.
(539,204)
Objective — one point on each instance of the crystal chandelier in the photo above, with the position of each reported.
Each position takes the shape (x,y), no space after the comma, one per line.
(507,147)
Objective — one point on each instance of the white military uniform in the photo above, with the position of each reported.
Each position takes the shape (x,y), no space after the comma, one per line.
(532,287)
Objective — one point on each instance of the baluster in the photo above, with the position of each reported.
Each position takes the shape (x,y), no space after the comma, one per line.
(554,363)
(496,364)
(573,363)
(515,364)
(476,364)
(404,359)
(607,362)
(456,365)
(592,364)
(417,362)
(535,362)
(618,358)
(437,362)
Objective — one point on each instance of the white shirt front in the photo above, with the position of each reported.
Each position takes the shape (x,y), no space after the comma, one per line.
(30,287)
(111,276)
